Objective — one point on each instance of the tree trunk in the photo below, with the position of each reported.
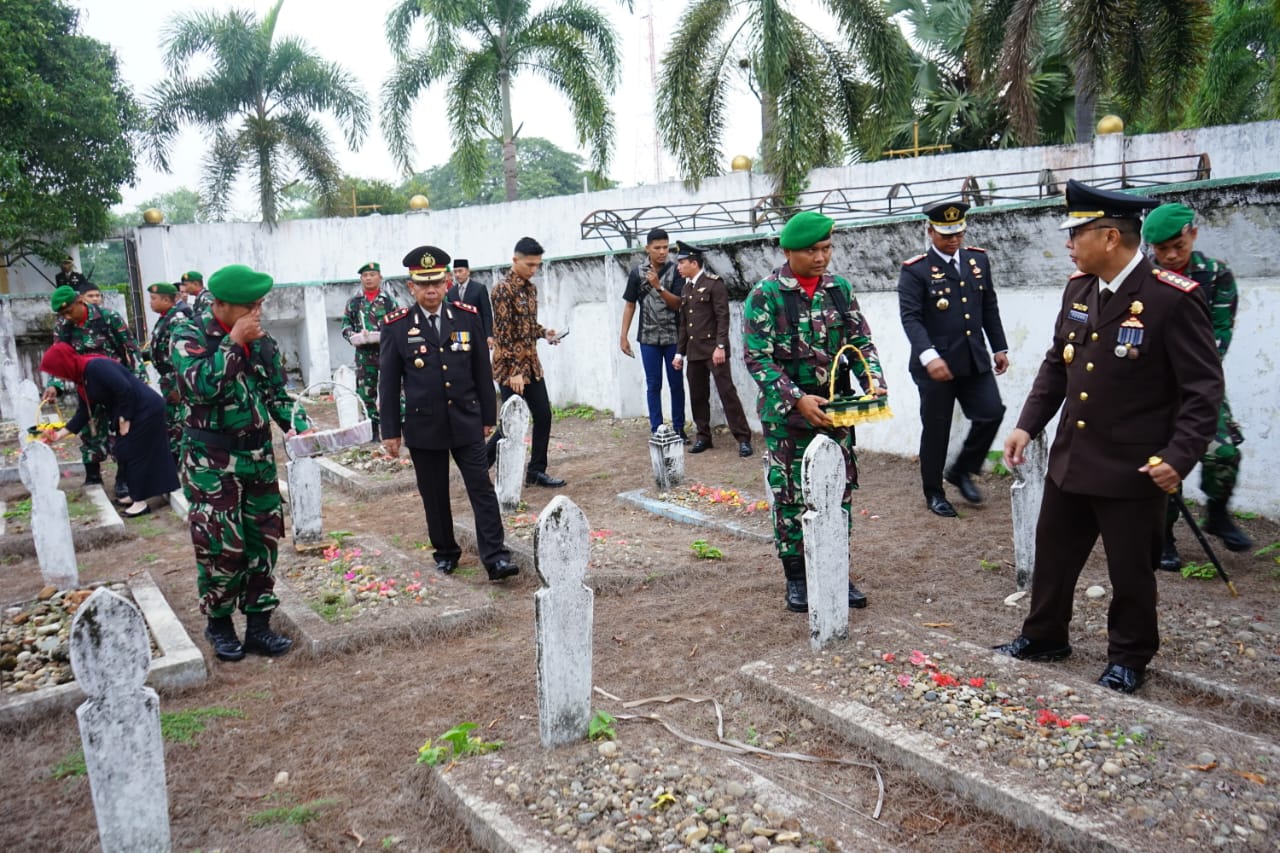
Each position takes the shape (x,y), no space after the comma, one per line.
(508,139)
(1086,103)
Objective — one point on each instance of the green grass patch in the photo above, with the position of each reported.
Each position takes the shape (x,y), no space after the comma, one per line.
(581,411)
(989,565)
(175,727)
(290,815)
(454,745)
(706,551)
(996,457)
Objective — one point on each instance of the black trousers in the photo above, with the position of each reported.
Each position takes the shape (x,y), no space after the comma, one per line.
(535,397)
(700,372)
(979,399)
(1132,533)
(432,470)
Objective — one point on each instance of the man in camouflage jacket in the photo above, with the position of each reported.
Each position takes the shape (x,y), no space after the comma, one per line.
(794,322)
(1171,231)
(361,325)
(232,380)
(164,302)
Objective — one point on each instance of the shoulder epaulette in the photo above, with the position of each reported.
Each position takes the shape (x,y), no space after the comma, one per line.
(1186,285)
(976,249)
(398,314)
(909,261)
(457,303)
(1077,274)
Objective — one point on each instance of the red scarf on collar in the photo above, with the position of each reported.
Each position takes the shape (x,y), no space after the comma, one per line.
(808,285)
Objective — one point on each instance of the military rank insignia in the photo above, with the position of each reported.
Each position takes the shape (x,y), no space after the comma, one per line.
(1130,334)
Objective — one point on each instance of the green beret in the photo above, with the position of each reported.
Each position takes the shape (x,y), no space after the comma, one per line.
(193,275)
(163,288)
(239,285)
(372,266)
(804,229)
(1166,222)
(62,297)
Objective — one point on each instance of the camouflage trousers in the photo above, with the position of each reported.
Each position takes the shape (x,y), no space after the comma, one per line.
(784,458)
(175,415)
(236,524)
(1220,465)
(367,382)
(95,438)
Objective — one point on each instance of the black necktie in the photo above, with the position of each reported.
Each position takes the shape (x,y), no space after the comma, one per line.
(955,264)
(435,330)
(1103,298)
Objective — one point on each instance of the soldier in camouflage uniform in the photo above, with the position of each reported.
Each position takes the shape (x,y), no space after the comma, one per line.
(198,297)
(361,323)
(794,322)
(232,380)
(164,302)
(91,329)
(1171,231)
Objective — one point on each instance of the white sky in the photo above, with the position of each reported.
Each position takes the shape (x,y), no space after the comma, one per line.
(353,34)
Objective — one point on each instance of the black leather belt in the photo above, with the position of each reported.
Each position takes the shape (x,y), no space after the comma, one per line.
(255,440)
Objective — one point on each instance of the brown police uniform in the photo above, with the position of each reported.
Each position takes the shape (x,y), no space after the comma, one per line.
(1136,377)
(704,328)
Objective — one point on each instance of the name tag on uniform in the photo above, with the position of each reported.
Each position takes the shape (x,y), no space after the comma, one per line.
(1079,313)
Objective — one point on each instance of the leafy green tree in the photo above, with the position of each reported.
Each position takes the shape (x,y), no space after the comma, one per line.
(258,102)
(545,170)
(479,48)
(822,101)
(1241,80)
(182,206)
(66,125)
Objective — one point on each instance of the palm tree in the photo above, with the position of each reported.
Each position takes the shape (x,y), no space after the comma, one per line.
(570,45)
(259,101)
(821,101)
(1143,57)
(1242,74)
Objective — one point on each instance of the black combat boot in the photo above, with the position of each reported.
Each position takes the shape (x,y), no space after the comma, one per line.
(221,634)
(259,639)
(797,597)
(1219,523)
(93,473)
(1170,560)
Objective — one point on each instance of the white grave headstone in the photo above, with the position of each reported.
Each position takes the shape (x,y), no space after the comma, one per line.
(50,521)
(10,378)
(26,409)
(344,395)
(120,725)
(563,614)
(666,452)
(10,372)
(512,453)
(153,377)
(1025,496)
(826,542)
(305,499)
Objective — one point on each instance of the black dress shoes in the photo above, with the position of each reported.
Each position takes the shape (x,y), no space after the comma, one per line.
(797,597)
(1170,560)
(744,449)
(1025,649)
(446,567)
(940,506)
(502,569)
(964,483)
(699,446)
(542,478)
(857,598)
(1125,679)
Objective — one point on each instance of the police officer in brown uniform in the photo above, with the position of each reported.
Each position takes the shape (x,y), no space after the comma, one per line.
(1134,369)
(436,352)
(702,349)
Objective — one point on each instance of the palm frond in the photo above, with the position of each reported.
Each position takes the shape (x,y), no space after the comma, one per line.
(692,90)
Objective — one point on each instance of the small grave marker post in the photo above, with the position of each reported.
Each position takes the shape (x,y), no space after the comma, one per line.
(26,409)
(120,725)
(1025,496)
(826,542)
(50,521)
(563,614)
(666,452)
(344,395)
(514,421)
(305,500)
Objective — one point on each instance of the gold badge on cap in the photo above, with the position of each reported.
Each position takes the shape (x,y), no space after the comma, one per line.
(951,214)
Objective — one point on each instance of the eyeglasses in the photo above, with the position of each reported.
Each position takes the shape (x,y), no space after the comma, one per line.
(1073,232)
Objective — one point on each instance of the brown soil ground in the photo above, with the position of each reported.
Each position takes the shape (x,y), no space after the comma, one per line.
(346,728)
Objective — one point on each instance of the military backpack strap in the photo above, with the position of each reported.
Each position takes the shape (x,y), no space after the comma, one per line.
(791,306)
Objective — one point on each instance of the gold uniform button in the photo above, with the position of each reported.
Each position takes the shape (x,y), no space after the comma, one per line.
(1080,424)
(966,316)
(964,299)
(1071,336)
(968,331)
(1089,366)
(1094,336)
(1084,395)
(417,362)
(447,386)
(444,367)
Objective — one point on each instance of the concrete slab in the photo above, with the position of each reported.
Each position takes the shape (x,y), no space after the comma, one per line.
(11,475)
(454,604)
(179,666)
(687,515)
(365,484)
(107,527)
(844,688)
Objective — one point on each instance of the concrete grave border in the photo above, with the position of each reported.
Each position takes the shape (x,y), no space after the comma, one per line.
(685,515)
(180,665)
(109,528)
(11,475)
(365,485)
(313,635)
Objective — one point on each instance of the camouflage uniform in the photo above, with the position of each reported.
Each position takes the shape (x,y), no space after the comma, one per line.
(788,364)
(157,352)
(366,315)
(105,332)
(200,302)
(236,519)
